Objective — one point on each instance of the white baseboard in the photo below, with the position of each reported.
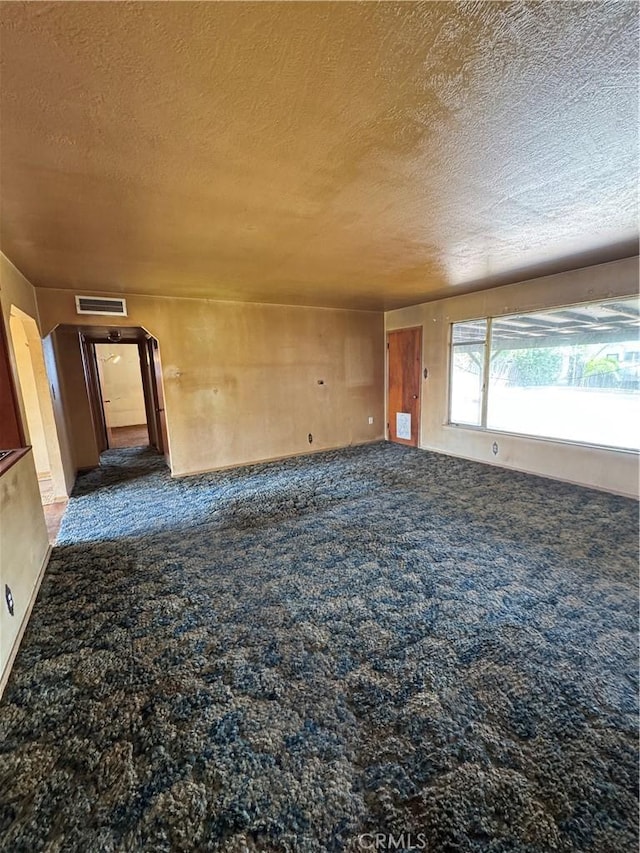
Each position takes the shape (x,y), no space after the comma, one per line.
(23,625)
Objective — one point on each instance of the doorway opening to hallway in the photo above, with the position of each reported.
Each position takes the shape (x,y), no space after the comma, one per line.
(36,397)
(36,400)
(122,395)
(123,377)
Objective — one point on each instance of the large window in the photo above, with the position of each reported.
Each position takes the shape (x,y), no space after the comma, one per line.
(570,374)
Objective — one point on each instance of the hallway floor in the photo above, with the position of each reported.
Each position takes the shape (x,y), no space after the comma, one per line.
(53,514)
(129,436)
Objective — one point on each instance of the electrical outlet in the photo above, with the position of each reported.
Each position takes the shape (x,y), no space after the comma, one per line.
(370,421)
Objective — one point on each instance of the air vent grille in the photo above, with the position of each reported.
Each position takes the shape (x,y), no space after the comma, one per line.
(101,305)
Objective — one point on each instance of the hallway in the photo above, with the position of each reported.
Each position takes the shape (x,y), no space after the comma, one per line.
(130,436)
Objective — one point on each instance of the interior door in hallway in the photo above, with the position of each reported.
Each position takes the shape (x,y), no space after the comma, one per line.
(404,359)
(153,354)
(94,391)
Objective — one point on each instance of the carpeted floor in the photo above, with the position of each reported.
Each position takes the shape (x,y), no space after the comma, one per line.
(297,656)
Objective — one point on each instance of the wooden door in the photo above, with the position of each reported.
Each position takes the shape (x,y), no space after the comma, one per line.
(158,394)
(106,401)
(94,391)
(404,358)
(148,381)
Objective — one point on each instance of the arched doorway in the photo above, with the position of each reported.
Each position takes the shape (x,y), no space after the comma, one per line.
(35,397)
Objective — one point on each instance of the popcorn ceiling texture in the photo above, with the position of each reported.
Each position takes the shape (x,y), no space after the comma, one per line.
(283,656)
(363,155)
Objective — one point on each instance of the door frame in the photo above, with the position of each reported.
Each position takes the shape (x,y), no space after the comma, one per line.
(150,394)
(160,419)
(151,368)
(151,375)
(389,332)
(105,408)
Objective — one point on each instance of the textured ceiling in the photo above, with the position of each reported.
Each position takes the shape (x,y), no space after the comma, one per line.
(341,154)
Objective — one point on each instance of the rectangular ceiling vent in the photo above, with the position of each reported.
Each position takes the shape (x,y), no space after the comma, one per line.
(101,305)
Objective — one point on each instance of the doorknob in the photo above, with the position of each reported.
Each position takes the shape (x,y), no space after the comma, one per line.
(415,396)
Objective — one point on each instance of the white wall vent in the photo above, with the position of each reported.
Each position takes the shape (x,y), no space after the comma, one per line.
(101,305)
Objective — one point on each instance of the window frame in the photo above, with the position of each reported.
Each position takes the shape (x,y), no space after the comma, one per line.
(482,426)
(452,348)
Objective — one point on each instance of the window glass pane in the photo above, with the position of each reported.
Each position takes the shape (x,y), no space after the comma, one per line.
(572,374)
(467,365)
(462,333)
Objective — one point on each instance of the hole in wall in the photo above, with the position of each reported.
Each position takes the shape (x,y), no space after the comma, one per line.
(8,595)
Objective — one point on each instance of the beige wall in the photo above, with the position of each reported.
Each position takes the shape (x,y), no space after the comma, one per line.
(241,380)
(607,469)
(23,553)
(121,381)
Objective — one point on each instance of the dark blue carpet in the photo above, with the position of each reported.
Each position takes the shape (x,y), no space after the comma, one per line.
(287,656)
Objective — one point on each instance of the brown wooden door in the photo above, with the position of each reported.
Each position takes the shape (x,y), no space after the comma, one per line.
(404,357)
(94,391)
(158,394)
(148,382)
